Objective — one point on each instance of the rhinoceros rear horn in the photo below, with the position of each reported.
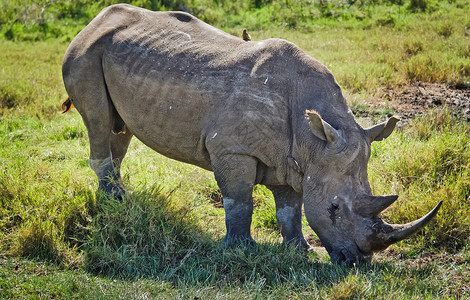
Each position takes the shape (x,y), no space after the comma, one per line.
(402,231)
(370,206)
(322,130)
(383,130)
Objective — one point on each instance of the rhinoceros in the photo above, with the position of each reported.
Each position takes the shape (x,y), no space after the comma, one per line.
(252,112)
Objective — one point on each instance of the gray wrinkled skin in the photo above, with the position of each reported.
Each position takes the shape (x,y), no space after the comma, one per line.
(251,112)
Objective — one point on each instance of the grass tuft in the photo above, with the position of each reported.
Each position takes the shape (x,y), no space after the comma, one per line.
(141,236)
(413,47)
(38,239)
(437,120)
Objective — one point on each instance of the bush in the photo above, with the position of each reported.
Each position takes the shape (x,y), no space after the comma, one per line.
(422,5)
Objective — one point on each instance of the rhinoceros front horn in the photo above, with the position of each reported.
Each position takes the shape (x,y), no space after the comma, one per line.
(402,231)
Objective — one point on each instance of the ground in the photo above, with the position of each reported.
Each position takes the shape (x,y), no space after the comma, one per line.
(417,98)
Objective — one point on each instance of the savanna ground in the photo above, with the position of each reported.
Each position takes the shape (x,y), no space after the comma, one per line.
(59,239)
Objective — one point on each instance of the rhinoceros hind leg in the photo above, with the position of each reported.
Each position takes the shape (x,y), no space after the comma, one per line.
(119,144)
(289,215)
(95,107)
(235,175)
(101,159)
(85,84)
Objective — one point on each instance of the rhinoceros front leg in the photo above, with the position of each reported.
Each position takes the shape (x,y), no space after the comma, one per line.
(289,215)
(235,175)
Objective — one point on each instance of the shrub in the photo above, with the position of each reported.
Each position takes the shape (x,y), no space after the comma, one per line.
(422,5)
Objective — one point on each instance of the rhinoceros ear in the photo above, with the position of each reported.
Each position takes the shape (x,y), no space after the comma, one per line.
(381,131)
(322,130)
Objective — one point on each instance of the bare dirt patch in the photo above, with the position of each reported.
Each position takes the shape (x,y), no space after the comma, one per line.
(415,99)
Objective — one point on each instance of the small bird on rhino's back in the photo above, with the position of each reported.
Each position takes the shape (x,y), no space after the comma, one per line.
(245,35)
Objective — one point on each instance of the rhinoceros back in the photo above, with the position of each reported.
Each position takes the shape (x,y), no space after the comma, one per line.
(178,82)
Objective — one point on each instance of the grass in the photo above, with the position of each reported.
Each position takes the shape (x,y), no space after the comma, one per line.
(59,239)
(364,54)
(30,78)
(50,282)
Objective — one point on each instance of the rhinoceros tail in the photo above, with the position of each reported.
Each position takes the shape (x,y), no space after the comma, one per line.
(67,105)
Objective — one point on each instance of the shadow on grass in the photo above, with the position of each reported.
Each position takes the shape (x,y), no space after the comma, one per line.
(145,236)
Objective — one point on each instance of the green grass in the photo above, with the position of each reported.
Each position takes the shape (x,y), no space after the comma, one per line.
(30,78)
(389,47)
(59,239)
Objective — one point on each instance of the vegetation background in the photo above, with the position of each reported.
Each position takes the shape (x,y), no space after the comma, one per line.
(59,239)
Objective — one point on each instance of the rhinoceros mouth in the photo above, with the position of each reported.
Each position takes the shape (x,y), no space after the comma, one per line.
(350,256)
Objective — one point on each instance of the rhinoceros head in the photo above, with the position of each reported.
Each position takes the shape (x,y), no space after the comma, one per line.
(338,200)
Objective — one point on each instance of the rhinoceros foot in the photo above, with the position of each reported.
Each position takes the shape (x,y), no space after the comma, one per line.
(112,189)
(300,243)
(236,241)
